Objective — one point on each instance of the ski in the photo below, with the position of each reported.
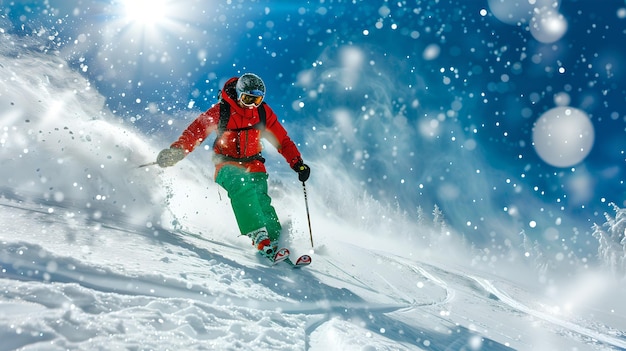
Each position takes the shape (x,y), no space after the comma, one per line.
(280,255)
(302,261)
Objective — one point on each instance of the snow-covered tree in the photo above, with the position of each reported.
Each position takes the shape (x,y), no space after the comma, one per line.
(420,215)
(611,237)
(438,219)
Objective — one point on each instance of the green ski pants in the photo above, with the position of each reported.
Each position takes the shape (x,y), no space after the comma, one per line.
(249,199)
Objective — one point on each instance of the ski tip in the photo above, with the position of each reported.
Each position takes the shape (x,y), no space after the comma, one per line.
(281,255)
(303,260)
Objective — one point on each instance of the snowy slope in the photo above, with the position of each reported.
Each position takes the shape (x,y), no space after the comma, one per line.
(71,282)
(96,253)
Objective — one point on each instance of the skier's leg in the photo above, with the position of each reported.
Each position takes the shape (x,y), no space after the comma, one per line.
(243,197)
(272,224)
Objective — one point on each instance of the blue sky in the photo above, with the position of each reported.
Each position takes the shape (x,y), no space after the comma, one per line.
(423,102)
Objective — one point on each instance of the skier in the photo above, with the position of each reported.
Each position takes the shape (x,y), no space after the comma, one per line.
(240,119)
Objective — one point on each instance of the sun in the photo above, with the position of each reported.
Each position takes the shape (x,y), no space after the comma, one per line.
(145,12)
(142,24)
(138,41)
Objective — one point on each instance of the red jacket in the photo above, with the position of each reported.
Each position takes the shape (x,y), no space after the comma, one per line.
(242,143)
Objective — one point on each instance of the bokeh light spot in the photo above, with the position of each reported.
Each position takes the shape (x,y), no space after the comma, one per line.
(563,136)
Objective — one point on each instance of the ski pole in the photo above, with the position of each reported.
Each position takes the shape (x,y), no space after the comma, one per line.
(147,164)
(308,215)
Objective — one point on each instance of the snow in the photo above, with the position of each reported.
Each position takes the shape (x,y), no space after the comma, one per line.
(96,253)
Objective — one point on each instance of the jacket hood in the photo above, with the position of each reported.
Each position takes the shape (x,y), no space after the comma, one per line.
(229,94)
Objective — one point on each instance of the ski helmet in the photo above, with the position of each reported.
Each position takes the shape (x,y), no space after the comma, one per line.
(251,84)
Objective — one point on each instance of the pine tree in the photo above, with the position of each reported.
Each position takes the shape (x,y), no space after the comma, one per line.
(420,215)
(438,218)
(612,241)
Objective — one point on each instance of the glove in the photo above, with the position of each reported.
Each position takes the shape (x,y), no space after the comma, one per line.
(303,171)
(169,157)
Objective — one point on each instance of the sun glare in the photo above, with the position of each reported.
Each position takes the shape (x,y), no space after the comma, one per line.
(147,33)
(145,12)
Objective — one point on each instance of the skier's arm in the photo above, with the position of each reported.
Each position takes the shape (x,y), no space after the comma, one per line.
(277,135)
(197,131)
(193,136)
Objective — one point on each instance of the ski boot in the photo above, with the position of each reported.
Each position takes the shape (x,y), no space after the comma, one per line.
(267,248)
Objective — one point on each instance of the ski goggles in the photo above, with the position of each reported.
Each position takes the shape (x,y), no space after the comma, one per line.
(253,99)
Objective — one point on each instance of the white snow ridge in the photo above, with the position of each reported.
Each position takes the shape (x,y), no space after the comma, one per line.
(97,254)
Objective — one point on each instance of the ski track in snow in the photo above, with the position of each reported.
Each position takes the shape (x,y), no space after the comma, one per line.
(72,282)
(592,334)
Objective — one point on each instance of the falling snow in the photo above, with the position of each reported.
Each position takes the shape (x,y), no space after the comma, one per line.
(468,175)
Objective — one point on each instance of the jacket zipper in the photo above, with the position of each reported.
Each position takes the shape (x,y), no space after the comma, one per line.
(238,144)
